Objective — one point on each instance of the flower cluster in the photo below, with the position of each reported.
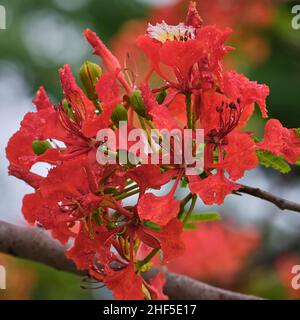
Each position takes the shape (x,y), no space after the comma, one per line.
(83,201)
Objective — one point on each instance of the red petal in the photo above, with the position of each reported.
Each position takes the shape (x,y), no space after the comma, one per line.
(111,62)
(42,100)
(159,210)
(281,141)
(19,150)
(157,285)
(240,155)
(74,94)
(170,240)
(149,176)
(91,127)
(31,204)
(238,86)
(181,56)
(108,90)
(125,284)
(151,48)
(85,250)
(212,190)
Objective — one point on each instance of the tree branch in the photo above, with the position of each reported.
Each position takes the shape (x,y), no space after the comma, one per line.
(35,244)
(281,203)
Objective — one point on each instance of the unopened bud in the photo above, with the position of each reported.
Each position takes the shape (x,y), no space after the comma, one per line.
(40,146)
(119,114)
(89,75)
(161,96)
(137,103)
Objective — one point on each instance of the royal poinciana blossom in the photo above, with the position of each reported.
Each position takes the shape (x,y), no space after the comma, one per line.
(82,200)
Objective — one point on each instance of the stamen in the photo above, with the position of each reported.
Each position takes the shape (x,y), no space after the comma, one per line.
(164,32)
(229,117)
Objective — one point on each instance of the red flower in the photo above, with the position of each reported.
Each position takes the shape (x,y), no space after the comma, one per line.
(192,54)
(281,141)
(81,199)
(74,125)
(237,90)
(65,196)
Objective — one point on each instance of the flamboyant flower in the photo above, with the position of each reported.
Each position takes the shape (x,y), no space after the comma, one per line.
(191,54)
(81,199)
(65,196)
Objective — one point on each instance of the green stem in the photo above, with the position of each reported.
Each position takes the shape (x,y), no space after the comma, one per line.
(149,257)
(126,195)
(183,204)
(188,102)
(192,206)
(130,188)
(143,124)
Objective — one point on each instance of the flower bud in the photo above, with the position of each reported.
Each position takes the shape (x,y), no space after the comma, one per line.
(40,146)
(119,114)
(89,74)
(137,103)
(161,96)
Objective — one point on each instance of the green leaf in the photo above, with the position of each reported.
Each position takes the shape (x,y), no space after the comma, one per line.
(297,130)
(204,216)
(190,226)
(270,160)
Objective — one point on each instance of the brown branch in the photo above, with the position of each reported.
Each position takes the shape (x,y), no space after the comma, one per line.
(281,203)
(36,245)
